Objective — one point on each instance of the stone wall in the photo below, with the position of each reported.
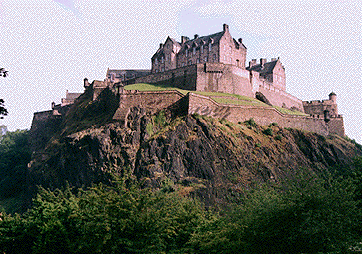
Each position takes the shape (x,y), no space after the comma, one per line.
(336,126)
(183,78)
(152,101)
(318,107)
(43,127)
(203,105)
(224,78)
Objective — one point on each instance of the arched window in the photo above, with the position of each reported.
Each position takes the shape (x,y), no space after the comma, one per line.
(194,50)
(210,46)
(202,48)
(156,62)
(162,60)
(187,52)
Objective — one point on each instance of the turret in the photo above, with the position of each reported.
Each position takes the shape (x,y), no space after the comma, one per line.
(333,97)
(86,83)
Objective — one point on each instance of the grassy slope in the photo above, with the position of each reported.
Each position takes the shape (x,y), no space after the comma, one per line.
(222,98)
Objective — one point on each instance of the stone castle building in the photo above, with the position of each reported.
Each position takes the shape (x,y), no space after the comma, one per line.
(216,63)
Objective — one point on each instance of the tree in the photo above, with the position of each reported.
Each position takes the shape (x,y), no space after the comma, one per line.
(3,111)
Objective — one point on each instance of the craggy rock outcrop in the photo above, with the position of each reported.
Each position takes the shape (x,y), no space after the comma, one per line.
(213,159)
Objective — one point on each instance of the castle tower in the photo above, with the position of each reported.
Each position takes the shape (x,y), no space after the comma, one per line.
(333,97)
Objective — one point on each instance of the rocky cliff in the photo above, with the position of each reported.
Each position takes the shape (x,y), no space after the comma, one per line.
(210,158)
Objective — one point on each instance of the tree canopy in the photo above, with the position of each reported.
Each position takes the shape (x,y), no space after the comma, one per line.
(3,110)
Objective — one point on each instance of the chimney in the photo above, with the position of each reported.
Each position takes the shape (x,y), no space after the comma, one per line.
(184,39)
(161,45)
(262,61)
(196,36)
(85,82)
(240,41)
(225,27)
(252,63)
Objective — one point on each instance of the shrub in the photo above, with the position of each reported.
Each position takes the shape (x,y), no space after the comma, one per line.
(250,122)
(278,137)
(268,131)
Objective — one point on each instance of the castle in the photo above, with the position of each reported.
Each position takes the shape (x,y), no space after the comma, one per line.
(215,64)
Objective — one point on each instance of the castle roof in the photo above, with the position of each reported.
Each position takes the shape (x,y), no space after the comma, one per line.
(128,73)
(72,96)
(264,69)
(213,38)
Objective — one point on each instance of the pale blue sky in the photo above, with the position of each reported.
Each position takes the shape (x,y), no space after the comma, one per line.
(49,46)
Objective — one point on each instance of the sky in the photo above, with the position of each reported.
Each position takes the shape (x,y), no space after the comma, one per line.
(50,46)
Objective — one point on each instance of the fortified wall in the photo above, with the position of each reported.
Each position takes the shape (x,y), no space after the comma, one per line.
(153,101)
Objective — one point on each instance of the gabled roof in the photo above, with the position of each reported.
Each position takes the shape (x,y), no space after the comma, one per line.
(160,51)
(214,38)
(265,69)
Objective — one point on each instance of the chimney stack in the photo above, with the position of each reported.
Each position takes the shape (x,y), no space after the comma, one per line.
(225,27)
(252,63)
(184,39)
(262,61)
(196,36)
(240,41)
(161,45)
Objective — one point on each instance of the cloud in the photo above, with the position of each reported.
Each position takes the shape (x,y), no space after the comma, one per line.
(69,6)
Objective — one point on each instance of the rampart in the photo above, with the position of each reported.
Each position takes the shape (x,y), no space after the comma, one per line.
(204,105)
(153,101)
(224,78)
(183,78)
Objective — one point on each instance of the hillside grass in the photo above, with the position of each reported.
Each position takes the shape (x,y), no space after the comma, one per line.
(221,98)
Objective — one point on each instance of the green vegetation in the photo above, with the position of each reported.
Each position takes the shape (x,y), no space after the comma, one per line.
(14,158)
(268,131)
(305,214)
(151,87)
(289,112)
(222,98)
(250,122)
(278,137)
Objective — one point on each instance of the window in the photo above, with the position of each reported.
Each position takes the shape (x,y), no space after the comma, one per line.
(156,62)
(168,46)
(190,62)
(162,60)
(162,69)
(205,59)
(156,71)
(202,48)
(237,62)
(214,57)
(197,60)
(194,51)
(187,52)
(231,60)
(210,47)
(166,58)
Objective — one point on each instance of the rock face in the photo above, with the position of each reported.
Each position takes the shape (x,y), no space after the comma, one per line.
(212,159)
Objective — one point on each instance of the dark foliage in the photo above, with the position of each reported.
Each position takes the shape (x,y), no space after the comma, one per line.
(14,157)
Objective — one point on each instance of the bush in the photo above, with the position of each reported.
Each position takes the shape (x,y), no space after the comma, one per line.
(268,131)
(250,122)
(278,137)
